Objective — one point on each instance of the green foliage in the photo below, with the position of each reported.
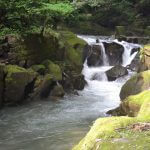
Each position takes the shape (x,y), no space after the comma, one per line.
(111,13)
(31,14)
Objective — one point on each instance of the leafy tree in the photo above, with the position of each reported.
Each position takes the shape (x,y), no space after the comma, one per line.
(26,14)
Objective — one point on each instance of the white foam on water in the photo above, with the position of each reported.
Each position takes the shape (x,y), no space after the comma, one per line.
(101,86)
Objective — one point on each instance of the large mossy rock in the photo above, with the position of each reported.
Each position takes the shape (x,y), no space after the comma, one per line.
(74,50)
(145,58)
(132,104)
(53,69)
(18,83)
(116,72)
(120,132)
(114,53)
(62,46)
(47,46)
(33,47)
(136,84)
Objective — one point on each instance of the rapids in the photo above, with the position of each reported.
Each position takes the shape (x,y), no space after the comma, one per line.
(46,125)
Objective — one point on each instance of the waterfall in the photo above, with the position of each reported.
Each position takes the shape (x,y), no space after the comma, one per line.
(105,58)
(127,57)
(99,72)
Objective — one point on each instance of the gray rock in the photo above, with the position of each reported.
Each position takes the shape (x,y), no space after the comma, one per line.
(57,92)
(95,57)
(116,72)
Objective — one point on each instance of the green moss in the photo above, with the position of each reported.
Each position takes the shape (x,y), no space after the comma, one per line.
(144,112)
(129,140)
(74,47)
(144,57)
(74,57)
(53,69)
(12,69)
(136,84)
(132,104)
(114,132)
(72,39)
(140,98)
(103,128)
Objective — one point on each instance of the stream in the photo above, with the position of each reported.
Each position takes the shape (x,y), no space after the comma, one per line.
(47,125)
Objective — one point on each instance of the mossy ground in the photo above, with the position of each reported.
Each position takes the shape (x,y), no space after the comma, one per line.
(113,133)
(130,140)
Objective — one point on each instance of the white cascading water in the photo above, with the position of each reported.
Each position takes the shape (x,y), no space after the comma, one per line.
(101,86)
(105,58)
(127,57)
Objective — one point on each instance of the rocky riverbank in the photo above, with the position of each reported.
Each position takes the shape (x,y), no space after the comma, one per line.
(129,126)
(40,66)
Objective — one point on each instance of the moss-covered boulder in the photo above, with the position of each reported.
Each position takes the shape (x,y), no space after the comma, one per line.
(116,72)
(47,46)
(74,50)
(120,132)
(32,48)
(145,58)
(132,104)
(136,84)
(61,46)
(53,69)
(19,83)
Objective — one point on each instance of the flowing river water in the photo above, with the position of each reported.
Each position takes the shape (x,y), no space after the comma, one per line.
(46,125)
